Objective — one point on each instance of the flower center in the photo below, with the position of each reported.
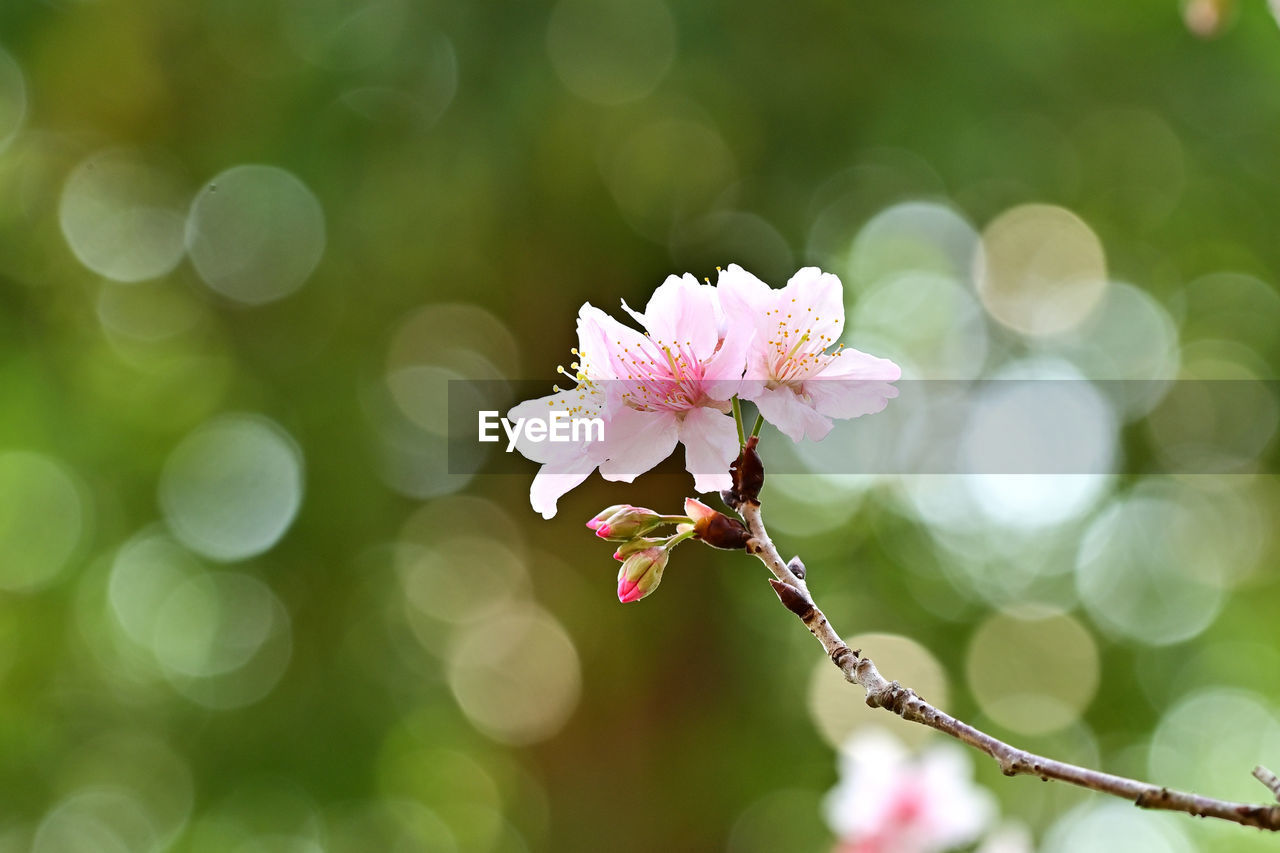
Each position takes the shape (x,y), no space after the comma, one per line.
(797,351)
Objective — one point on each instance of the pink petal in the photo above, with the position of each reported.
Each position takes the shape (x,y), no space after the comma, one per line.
(848,398)
(711,444)
(554,480)
(743,294)
(853,364)
(683,312)
(697,510)
(815,299)
(635,441)
(792,415)
(618,342)
(593,343)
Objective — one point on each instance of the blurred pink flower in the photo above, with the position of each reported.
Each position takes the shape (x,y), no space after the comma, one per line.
(888,801)
(796,374)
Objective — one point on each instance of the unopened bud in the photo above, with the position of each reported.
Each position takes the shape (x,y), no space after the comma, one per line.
(595,523)
(715,528)
(626,549)
(624,521)
(641,573)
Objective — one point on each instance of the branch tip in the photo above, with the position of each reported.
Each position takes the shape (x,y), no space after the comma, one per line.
(1266,777)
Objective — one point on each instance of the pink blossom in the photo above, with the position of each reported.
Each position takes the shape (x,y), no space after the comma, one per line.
(888,801)
(671,384)
(796,373)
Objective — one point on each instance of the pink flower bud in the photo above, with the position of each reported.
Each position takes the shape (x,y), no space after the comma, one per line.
(715,528)
(641,574)
(624,522)
(626,549)
(697,510)
(595,523)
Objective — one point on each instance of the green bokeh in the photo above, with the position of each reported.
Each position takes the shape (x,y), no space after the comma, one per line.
(462,154)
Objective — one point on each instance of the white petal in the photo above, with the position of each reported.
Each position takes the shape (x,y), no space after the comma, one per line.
(848,398)
(710,441)
(792,415)
(554,479)
(635,441)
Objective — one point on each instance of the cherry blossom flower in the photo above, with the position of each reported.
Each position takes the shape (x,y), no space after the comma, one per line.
(671,384)
(796,373)
(888,801)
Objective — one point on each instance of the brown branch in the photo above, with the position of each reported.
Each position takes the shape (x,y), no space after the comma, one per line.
(793,592)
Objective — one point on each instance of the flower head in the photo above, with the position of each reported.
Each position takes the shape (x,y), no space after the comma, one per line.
(888,801)
(671,384)
(796,373)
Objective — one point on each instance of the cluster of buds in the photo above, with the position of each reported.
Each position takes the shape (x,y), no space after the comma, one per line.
(645,557)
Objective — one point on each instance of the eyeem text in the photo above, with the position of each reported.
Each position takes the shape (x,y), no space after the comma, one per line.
(558,427)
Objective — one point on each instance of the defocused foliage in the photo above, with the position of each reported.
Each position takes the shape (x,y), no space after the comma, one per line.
(245,243)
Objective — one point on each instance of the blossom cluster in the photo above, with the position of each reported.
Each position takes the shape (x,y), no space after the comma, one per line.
(673,383)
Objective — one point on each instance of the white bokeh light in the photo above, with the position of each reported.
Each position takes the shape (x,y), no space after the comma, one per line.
(222,639)
(232,487)
(1128,336)
(255,233)
(1042,269)
(914,236)
(1041,446)
(930,324)
(1033,670)
(121,214)
(516,674)
(1114,827)
(1211,739)
(1149,567)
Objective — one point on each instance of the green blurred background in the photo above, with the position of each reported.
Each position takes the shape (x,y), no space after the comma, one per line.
(245,243)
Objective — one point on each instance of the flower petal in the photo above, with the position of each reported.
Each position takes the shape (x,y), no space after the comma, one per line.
(795,417)
(816,301)
(635,441)
(854,364)
(848,398)
(541,408)
(684,313)
(556,478)
(710,441)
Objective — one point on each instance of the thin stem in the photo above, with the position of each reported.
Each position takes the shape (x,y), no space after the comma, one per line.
(737,419)
(755,430)
(794,594)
